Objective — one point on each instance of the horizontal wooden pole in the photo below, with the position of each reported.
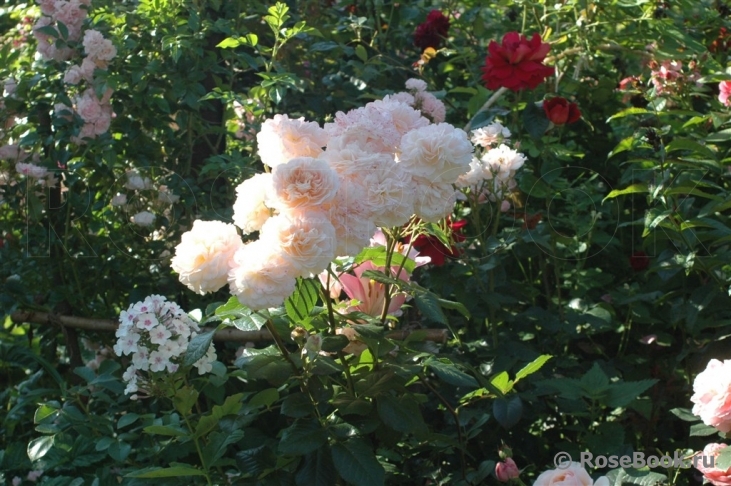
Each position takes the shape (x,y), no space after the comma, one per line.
(222,335)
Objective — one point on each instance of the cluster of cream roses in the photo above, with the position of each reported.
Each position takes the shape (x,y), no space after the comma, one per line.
(492,170)
(328,190)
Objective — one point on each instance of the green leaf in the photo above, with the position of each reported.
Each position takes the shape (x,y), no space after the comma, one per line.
(532,367)
(723,460)
(250,322)
(127,419)
(184,400)
(167,472)
(641,477)
(722,136)
(317,469)
(119,451)
(687,144)
(629,112)
(402,415)
(231,42)
(502,382)
(507,411)
(198,347)
(297,405)
(621,394)
(357,464)
(594,382)
(333,344)
(428,304)
(633,189)
(684,414)
(218,443)
(165,430)
(37,448)
(702,430)
(303,300)
(232,309)
(265,398)
(361,52)
(449,373)
(302,437)
(535,121)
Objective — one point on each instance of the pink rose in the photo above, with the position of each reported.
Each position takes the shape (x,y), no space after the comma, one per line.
(506,470)
(724,88)
(712,397)
(706,465)
(574,475)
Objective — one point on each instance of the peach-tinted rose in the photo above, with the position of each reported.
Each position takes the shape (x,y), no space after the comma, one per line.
(719,477)
(574,475)
(250,212)
(205,255)
(305,240)
(260,277)
(712,397)
(303,182)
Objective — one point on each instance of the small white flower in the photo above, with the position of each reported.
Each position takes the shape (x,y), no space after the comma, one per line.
(158,361)
(147,321)
(159,335)
(141,358)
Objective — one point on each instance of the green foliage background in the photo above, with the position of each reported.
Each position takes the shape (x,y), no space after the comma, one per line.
(647,172)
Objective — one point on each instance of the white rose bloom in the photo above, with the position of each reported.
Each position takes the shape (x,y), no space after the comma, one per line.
(282,139)
(490,134)
(250,212)
(433,202)
(416,84)
(204,256)
(438,153)
(143,218)
(303,182)
(307,240)
(260,277)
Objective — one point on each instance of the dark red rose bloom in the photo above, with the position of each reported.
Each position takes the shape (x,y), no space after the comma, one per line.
(430,246)
(639,261)
(560,111)
(431,32)
(517,63)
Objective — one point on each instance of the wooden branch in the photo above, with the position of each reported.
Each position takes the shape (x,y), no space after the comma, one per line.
(222,335)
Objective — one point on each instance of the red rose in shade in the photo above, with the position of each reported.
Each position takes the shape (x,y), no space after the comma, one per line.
(517,63)
(560,111)
(639,261)
(430,246)
(431,32)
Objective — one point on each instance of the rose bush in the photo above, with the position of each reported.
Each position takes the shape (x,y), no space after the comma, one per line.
(522,281)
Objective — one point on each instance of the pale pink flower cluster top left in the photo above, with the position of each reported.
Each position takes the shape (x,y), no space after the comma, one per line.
(328,190)
(66,18)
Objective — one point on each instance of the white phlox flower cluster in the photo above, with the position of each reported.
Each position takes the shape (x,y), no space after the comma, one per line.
(156,333)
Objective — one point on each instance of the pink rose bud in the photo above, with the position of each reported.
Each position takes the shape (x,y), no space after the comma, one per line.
(506,470)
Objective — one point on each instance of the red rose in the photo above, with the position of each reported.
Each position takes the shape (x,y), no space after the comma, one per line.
(639,261)
(430,246)
(431,32)
(517,63)
(560,111)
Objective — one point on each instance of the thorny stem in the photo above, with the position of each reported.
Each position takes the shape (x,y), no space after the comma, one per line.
(280,344)
(455,415)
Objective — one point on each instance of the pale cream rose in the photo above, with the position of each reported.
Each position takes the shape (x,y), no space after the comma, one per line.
(205,255)
(306,240)
(712,395)
(260,276)
(282,139)
(438,153)
(573,475)
(404,117)
(303,182)
(433,202)
(250,211)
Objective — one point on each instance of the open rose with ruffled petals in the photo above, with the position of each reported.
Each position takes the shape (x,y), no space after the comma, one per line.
(517,63)
(712,397)
(432,31)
